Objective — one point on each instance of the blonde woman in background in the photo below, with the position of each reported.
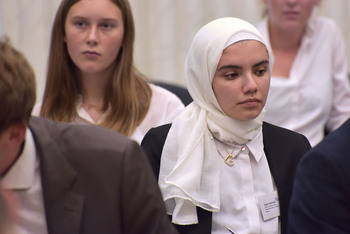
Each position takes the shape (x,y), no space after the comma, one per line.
(309,90)
(91,78)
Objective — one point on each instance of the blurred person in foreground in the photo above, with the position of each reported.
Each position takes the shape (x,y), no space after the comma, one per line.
(320,200)
(69,178)
(6,220)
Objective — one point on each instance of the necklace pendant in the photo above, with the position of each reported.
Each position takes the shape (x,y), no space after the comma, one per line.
(229,160)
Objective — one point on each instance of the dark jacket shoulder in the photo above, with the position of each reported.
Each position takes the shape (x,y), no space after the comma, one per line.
(88,170)
(76,136)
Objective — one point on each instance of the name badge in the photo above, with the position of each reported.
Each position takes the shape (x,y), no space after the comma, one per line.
(269,205)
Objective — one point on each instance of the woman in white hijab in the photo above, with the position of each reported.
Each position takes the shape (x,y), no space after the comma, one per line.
(220,168)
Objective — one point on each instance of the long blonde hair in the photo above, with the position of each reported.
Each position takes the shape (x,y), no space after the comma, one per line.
(128,95)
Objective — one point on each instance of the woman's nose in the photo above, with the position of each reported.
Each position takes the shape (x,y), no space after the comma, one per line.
(249,85)
(291,3)
(92,38)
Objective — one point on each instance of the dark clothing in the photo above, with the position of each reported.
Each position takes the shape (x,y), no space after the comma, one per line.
(95,180)
(283,149)
(320,201)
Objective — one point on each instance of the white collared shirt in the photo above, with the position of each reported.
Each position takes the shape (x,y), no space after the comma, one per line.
(241,185)
(164,107)
(316,93)
(23,180)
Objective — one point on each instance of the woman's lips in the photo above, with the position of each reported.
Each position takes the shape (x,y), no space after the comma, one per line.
(91,54)
(251,102)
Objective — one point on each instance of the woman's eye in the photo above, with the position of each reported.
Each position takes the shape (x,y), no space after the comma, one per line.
(80,24)
(261,72)
(107,26)
(231,75)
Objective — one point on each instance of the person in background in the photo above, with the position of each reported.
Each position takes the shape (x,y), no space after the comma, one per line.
(91,77)
(220,168)
(69,178)
(320,200)
(309,90)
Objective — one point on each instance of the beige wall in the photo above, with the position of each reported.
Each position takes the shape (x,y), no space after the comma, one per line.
(27,23)
(164,29)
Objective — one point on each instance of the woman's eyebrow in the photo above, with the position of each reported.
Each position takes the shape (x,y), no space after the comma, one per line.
(77,17)
(264,62)
(224,67)
(229,67)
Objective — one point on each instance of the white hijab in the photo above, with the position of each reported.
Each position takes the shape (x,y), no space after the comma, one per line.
(189,171)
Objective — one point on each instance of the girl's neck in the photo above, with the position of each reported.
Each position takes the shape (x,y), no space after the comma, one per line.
(285,45)
(284,40)
(93,91)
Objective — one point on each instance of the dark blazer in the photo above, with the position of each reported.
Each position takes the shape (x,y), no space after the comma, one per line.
(320,201)
(95,180)
(283,149)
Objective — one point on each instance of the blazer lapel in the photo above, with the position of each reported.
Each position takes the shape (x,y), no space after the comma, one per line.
(283,151)
(63,207)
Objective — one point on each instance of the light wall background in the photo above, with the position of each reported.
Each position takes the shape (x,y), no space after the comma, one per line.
(164,30)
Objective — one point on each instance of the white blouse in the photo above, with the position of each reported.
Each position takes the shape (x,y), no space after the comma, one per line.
(316,95)
(240,188)
(164,107)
